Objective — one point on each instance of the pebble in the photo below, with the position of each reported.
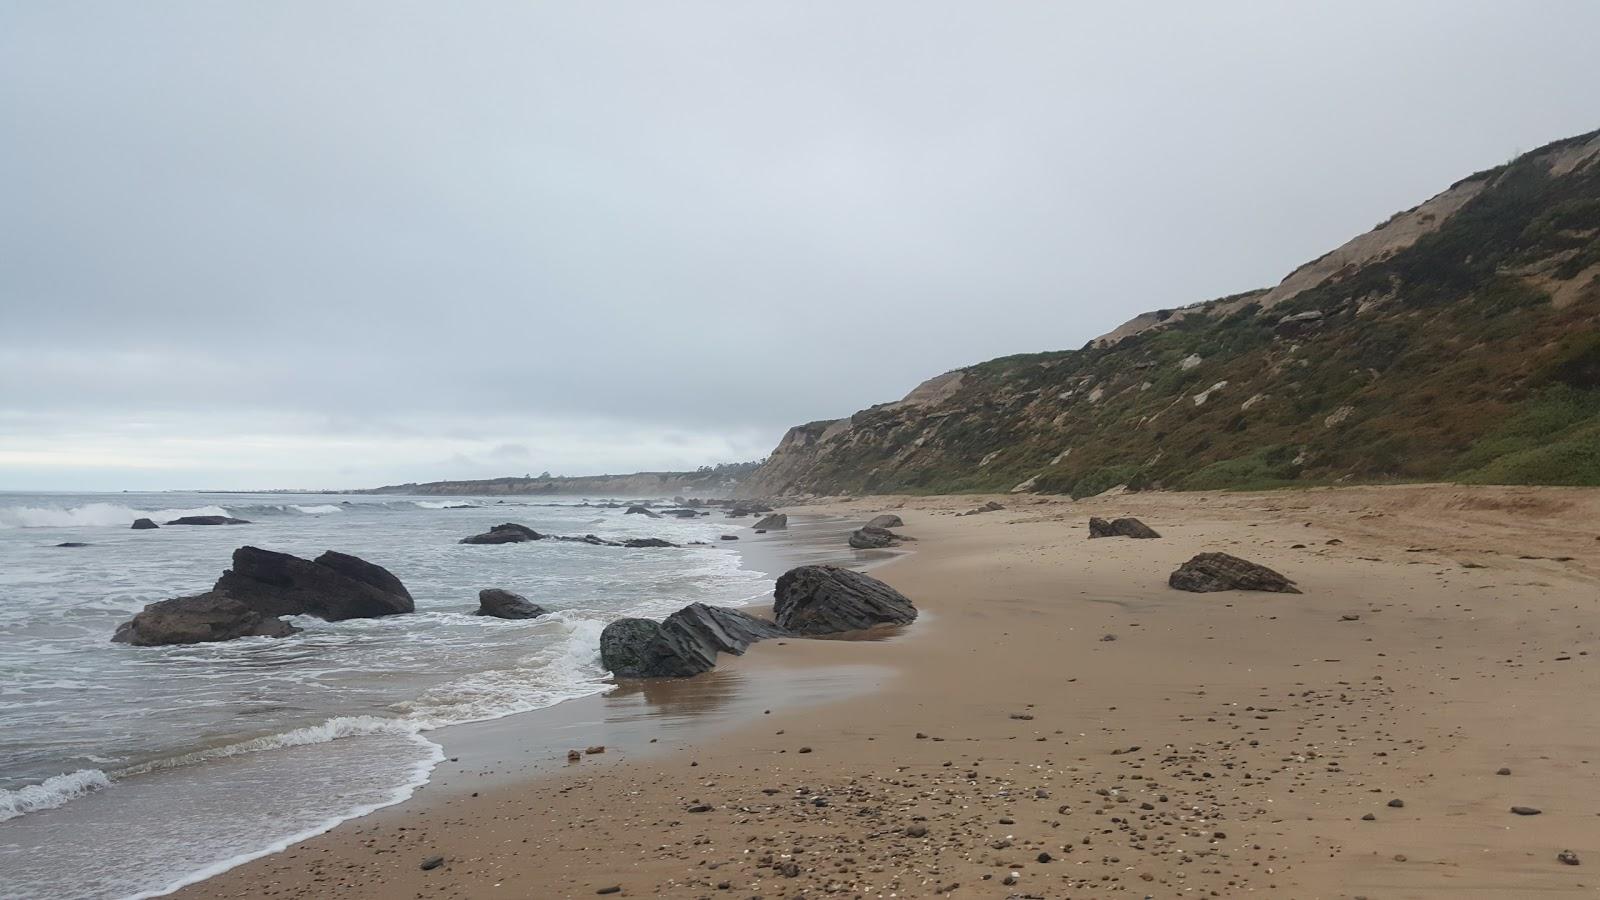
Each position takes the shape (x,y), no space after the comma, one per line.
(432,862)
(1525,810)
(614,889)
(1567,857)
(1503,771)
(1397,803)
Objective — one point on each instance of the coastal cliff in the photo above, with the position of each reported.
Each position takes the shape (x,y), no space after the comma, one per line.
(1458,340)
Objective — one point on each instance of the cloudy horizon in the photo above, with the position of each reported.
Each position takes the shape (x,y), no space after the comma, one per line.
(305,245)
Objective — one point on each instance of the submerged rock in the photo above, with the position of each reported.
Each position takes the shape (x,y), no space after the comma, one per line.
(685,643)
(647,542)
(144,524)
(1128,527)
(336,586)
(641,511)
(1223,572)
(829,600)
(887,520)
(776,520)
(199,619)
(506,533)
(502,604)
(202,520)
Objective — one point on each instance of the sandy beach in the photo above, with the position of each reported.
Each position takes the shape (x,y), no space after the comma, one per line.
(1061,723)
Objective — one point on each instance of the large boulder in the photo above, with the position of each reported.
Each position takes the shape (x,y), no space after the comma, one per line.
(871,537)
(887,520)
(774,521)
(641,511)
(506,605)
(1223,572)
(685,643)
(208,520)
(335,586)
(1128,527)
(144,524)
(199,619)
(828,600)
(506,533)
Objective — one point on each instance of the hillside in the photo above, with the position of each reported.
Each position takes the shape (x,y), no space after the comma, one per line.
(709,481)
(1458,340)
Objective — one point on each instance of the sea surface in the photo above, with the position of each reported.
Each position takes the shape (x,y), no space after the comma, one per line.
(127,772)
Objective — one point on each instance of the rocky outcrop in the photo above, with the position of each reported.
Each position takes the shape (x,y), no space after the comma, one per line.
(887,520)
(829,600)
(199,619)
(144,524)
(647,542)
(206,520)
(334,587)
(641,511)
(871,537)
(1222,572)
(772,522)
(1126,527)
(506,533)
(501,604)
(685,643)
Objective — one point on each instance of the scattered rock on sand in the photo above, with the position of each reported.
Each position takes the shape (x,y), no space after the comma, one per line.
(776,520)
(506,533)
(1567,857)
(887,520)
(431,863)
(829,600)
(1126,527)
(200,619)
(144,524)
(871,537)
(208,520)
(502,604)
(1223,572)
(685,643)
(1526,810)
(991,506)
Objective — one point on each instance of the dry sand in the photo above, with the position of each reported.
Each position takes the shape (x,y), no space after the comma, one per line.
(1060,723)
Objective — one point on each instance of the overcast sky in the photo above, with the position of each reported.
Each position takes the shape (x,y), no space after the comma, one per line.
(308,244)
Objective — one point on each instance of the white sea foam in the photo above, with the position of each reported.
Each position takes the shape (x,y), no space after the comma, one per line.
(93,514)
(51,793)
(322,510)
(440,504)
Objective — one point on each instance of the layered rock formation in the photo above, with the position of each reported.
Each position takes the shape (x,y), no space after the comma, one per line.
(1223,572)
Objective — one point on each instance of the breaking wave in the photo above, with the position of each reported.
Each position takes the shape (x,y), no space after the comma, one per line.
(51,793)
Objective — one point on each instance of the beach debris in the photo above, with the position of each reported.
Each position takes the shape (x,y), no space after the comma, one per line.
(143,525)
(431,863)
(772,522)
(685,643)
(200,619)
(502,604)
(1125,527)
(887,520)
(1223,572)
(821,599)
(208,520)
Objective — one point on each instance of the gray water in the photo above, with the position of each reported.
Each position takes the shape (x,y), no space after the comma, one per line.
(129,771)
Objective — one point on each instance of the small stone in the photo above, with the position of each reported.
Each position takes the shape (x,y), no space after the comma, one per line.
(1349,617)
(700,808)
(431,863)
(1026,717)
(1396,803)
(1044,857)
(1502,771)
(598,748)
(614,889)
(917,831)
(1369,817)
(1567,857)
(1525,810)
(1108,637)
(1007,820)
(1010,879)
(805,750)
(573,756)
(789,870)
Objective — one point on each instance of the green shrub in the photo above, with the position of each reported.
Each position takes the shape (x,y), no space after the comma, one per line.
(1268,467)
(1103,479)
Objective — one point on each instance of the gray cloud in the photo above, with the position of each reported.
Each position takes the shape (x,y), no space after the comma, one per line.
(398,237)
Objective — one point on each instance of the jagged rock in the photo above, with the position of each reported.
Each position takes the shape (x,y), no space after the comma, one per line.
(335,586)
(887,520)
(871,537)
(776,520)
(1129,527)
(647,542)
(506,533)
(505,605)
(198,619)
(596,540)
(685,643)
(144,524)
(828,600)
(641,511)
(208,520)
(1222,572)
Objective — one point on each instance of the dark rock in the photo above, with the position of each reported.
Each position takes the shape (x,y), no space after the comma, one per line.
(1567,858)
(871,537)
(828,600)
(144,524)
(1222,572)
(685,643)
(336,586)
(1503,771)
(641,511)
(730,537)
(776,520)
(208,520)
(1128,527)
(1369,817)
(683,513)
(505,605)
(198,619)
(507,533)
(1397,803)
(991,506)
(886,521)
(431,863)
(647,542)
(72,544)
(1525,810)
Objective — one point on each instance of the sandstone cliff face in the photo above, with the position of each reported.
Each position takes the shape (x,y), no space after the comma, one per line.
(1460,339)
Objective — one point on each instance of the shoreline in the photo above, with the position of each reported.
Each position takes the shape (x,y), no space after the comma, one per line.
(1064,724)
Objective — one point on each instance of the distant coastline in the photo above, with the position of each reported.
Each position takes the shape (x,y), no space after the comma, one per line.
(707,481)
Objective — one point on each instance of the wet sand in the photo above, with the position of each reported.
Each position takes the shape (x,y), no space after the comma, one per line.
(1060,723)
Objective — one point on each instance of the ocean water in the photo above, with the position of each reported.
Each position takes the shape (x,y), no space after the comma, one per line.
(127,772)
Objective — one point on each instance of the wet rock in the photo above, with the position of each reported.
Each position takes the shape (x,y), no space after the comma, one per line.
(774,521)
(502,604)
(1126,527)
(335,586)
(208,520)
(685,643)
(641,511)
(647,542)
(143,525)
(1224,572)
(199,619)
(829,600)
(729,537)
(887,520)
(506,533)
(871,537)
